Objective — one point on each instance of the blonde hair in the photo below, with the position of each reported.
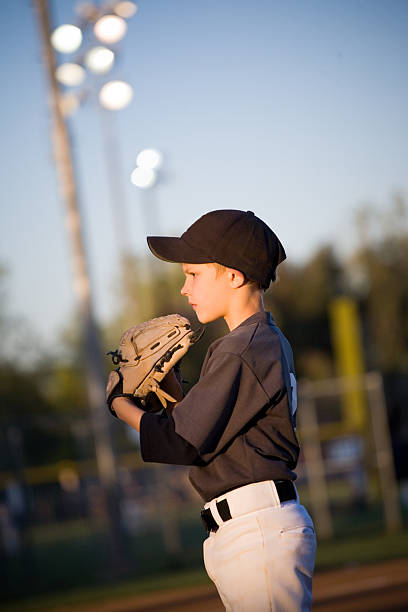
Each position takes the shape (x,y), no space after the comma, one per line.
(220,269)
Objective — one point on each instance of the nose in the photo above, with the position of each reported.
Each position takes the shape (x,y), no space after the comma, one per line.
(183,290)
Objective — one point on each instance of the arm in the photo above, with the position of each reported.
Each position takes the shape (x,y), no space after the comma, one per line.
(127,410)
(159,441)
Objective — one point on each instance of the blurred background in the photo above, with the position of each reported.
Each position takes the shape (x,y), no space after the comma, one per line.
(121,120)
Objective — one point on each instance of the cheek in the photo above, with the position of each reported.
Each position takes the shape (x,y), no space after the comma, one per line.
(216,295)
(197,291)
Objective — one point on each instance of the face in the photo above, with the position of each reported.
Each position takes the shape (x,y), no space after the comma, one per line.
(207,293)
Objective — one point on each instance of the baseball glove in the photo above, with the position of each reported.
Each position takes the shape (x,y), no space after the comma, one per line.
(146,353)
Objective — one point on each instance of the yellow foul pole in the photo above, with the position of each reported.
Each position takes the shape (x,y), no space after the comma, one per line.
(348,354)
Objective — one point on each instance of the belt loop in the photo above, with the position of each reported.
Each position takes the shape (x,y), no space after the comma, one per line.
(208,520)
(223,509)
(274,492)
(214,512)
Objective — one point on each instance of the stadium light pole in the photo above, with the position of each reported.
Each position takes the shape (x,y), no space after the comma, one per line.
(95,377)
(145,177)
(111,101)
(113,96)
(109,26)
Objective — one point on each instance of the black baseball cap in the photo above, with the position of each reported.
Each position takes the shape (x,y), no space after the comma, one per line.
(233,238)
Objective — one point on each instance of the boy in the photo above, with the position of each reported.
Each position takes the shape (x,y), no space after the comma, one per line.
(236,426)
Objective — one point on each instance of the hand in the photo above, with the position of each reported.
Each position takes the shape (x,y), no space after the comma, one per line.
(171,385)
(147,352)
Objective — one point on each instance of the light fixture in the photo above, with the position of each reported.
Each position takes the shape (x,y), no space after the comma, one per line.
(149,158)
(99,59)
(66,38)
(125,9)
(109,29)
(115,95)
(70,74)
(69,102)
(143,177)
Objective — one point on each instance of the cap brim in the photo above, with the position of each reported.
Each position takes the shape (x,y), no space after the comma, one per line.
(175,250)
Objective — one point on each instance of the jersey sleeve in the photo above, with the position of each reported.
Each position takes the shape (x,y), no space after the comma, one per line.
(160,443)
(222,403)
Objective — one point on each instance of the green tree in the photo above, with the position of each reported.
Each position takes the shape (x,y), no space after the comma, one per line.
(299,302)
(381,282)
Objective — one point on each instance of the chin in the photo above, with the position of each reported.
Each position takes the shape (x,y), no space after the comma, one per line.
(206,318)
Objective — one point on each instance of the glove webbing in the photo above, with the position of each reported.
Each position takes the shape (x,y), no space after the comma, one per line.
(166,357)
(155,388)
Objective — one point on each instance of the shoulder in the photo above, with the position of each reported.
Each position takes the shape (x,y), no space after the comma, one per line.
(235,342)
(256,342)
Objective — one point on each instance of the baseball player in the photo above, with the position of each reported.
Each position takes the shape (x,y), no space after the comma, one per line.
(236,426)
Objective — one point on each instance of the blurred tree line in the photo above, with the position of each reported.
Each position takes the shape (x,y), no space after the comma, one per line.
(45,398)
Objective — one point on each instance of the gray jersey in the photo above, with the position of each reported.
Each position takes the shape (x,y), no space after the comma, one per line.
(240,415)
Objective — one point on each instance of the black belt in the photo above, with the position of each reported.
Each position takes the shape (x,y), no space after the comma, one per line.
(286,492)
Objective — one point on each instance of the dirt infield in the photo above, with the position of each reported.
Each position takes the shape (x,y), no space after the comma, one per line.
(382,586)
(378,587)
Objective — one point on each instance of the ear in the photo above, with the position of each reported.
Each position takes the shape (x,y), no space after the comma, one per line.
(237,279)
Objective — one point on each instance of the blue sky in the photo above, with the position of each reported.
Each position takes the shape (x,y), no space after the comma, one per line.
(294,109)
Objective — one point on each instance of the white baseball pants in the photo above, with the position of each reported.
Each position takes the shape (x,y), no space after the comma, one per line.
(262,559)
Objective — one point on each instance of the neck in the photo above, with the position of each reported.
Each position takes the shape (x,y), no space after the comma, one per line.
(244,309)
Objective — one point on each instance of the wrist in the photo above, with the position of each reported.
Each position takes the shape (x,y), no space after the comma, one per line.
(116,402)
(126,409)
